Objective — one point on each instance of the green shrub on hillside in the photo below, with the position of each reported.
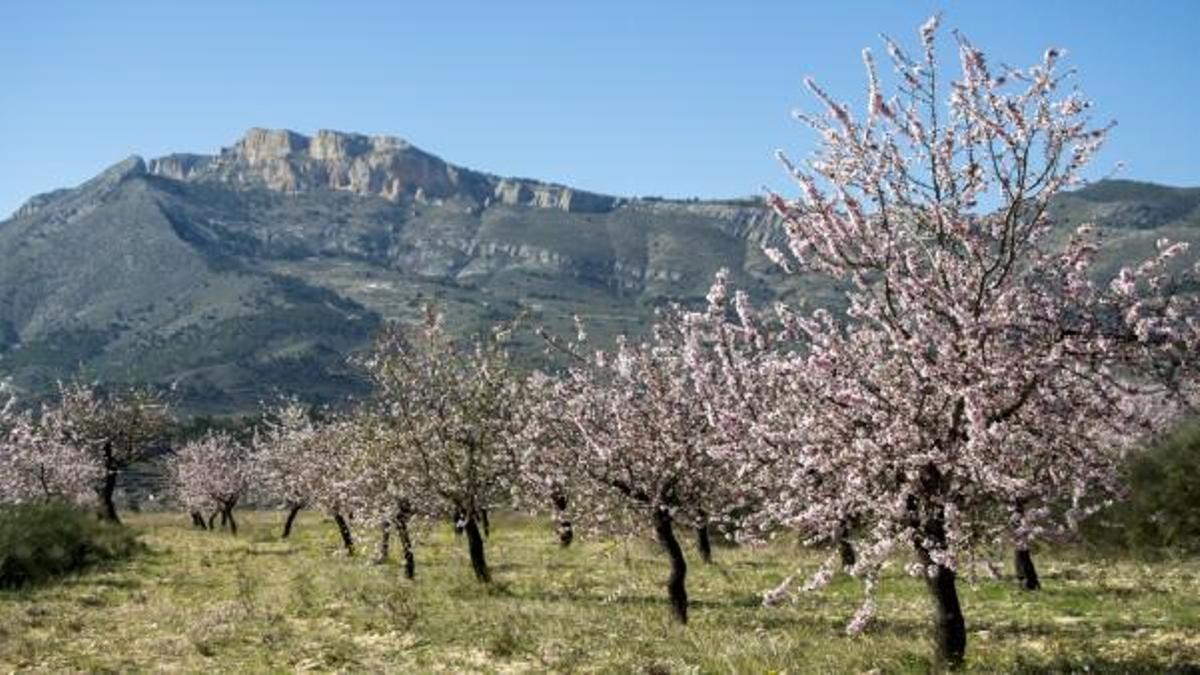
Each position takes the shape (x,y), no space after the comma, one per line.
(1163,508)
(41,541)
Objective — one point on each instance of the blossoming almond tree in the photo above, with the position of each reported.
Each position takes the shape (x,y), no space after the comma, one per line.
(303,463)
(456,407)
(742,364)
(546,438)
(35,463)
(984,381)
(116,430)
(281,458)
(640,449)
(212,473)
(386,490)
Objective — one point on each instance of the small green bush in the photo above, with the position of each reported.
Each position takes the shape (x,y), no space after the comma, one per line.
(1163,508)
(41,541)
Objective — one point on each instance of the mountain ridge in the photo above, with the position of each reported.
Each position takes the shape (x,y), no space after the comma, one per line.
(257,270)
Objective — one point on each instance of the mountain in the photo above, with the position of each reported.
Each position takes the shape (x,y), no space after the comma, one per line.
(259,269)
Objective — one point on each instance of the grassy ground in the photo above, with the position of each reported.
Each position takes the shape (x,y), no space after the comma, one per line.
(204,602)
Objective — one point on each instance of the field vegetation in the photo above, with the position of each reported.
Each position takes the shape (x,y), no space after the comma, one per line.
(206,602)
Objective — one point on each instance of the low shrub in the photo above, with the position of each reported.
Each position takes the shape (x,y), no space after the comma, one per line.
(1163,508)
(39,542)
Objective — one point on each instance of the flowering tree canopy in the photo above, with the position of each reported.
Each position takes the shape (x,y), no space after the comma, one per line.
(282,454)
(80,443)
(630,435)
(212,473)
(303,463)
(983,380)
(115,429)
(386,490)
(454,411)
(36,463)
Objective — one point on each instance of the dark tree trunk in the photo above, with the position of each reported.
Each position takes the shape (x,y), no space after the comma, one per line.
(703,545)
(1026,572)
(198,521)
(846,551)
(950,629)
(293,510)
(475,547)
(212,521)
(106,496)
(384,543)
(224,517)
(344,530)
(566,533)
(845,548)
(227,515)
(487,525)
(563,528)
(410,561)
(677,583)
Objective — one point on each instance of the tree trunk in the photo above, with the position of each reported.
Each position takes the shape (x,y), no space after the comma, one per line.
(106,497)
(344,530)
(566,533)
(846,551)
(227,514)
(384,543)
(410,561)
(676,584)
(950,629)
(224,517)
(198,521)
(703,545)
(475,547)
(293,510)
(1026,572)
(487,525)
(212,521)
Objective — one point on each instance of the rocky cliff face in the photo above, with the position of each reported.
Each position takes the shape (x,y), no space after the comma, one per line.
(379,166)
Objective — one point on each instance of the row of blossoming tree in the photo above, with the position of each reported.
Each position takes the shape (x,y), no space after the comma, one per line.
(981,387)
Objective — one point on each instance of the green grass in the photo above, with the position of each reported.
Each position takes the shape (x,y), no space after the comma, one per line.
(204,602)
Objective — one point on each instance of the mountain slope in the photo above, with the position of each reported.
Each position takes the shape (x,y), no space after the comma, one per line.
(261,268)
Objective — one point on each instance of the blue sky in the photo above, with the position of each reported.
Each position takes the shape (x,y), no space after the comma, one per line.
(633,98)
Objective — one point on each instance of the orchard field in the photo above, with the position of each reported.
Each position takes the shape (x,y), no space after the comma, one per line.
(206,601)
(985,387)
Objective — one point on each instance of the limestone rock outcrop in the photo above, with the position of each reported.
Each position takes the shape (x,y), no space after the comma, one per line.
(380,166)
